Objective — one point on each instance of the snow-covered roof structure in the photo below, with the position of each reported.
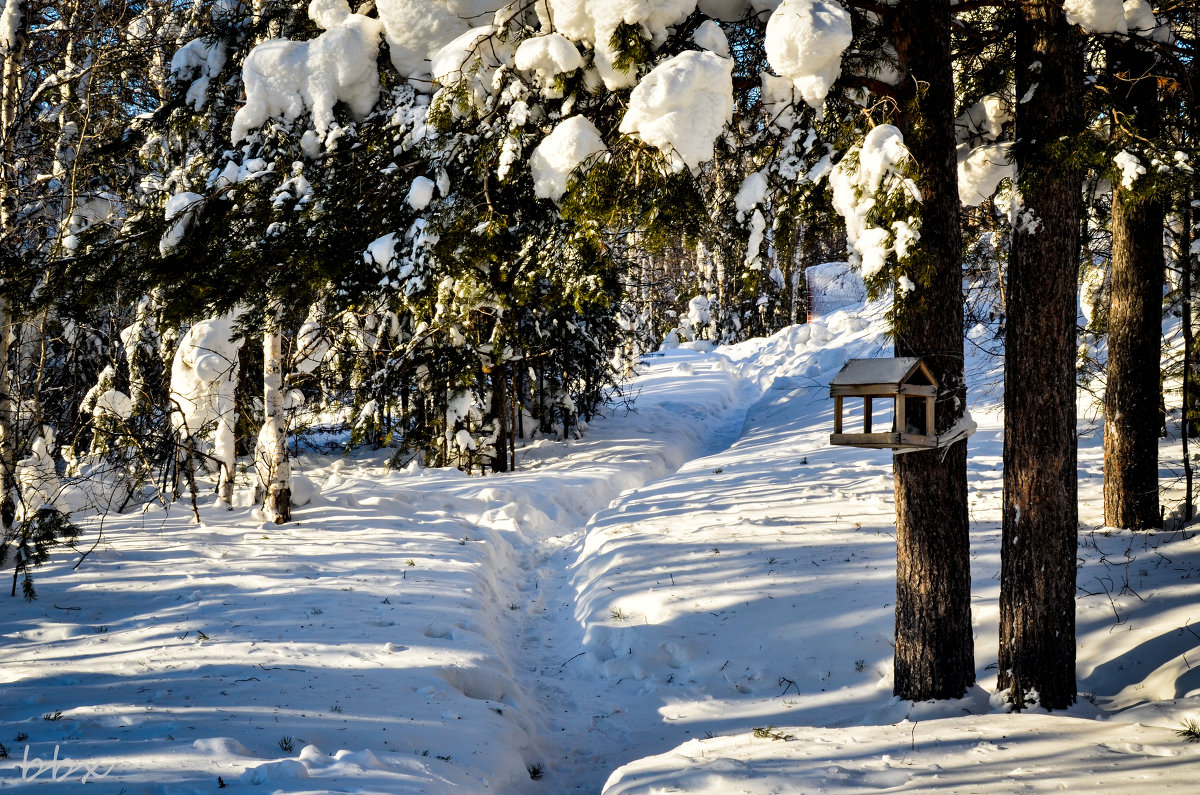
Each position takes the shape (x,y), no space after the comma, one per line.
(858,373)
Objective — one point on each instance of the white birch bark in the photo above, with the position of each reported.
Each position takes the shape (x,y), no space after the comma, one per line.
(272,439)
(14,35)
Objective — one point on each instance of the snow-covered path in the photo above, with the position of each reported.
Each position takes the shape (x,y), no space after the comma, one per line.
(696,596)
(582,728)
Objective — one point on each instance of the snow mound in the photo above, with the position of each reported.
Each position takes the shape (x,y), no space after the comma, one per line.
(710,37)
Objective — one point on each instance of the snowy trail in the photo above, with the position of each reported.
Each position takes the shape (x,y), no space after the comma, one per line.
(586,727)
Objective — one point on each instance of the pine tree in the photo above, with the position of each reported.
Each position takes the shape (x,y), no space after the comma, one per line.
(1037,580)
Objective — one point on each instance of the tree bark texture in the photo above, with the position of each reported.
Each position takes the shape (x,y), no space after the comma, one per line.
(935,654)
(1134,385)
(1040,512)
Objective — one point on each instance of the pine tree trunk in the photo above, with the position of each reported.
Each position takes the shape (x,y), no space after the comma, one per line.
(1040,514)
(1134,385)
(499,412)
(278,501)
(1185,258)
(935,653)
(8,429)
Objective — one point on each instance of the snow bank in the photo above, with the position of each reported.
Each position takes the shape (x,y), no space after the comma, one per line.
(682,106)
(284,78)
(572,142)
(805,41)
(833,286)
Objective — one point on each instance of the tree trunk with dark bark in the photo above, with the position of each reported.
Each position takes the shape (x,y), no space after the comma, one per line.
(1134,384)
(1037,576)
(499,412)
(935,654)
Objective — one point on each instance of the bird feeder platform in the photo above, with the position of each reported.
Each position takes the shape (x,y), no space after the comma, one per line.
(907,382)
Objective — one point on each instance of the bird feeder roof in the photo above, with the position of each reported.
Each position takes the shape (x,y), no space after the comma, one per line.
(884,372)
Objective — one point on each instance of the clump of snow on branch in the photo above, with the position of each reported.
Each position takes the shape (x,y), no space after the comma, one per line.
(547,56)
(38,476)
(724,10)
(682,106)
(420,193)
(179,211)
(595,22)
(1131,168)
(981,170)
(11,20)
(572,142)
(415,31)
(805,41)
(710,37)
(751,193)
(312,344)
(856,180)
(1135,17)
(985,119)
(284,78)
(460,56)
(204,375)
(197,63)
(1096,16)
(1140,20)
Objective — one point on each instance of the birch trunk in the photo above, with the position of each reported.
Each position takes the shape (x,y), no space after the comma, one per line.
(272,439)
(13,52)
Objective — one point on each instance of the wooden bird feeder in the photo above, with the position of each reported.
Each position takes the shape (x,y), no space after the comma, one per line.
(908,382)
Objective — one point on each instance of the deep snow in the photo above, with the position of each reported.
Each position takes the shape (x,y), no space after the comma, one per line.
(695,596)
